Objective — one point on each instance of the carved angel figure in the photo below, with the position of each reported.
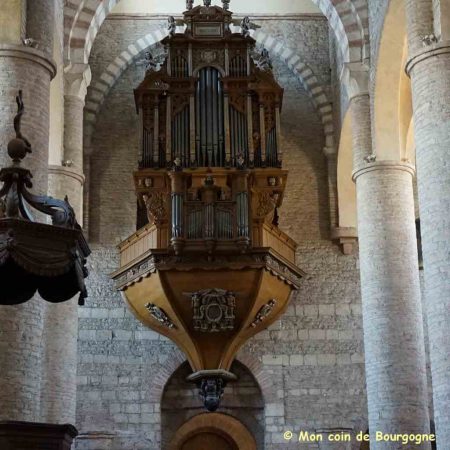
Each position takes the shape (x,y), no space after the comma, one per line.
(264,62)
(172,27)
(150,63)
(245,26)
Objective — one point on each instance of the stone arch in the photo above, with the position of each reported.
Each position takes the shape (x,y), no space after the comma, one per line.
(307,78)
(224,424)
(348,19)
(162,377)
(98,91)
(392,113)
(262,377)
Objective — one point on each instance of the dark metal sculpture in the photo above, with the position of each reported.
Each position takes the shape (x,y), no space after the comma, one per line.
(36,256)
(211,392)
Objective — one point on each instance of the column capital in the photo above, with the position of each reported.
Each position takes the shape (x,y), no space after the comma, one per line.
(430,49)
(384,165)
(66,171)
(355,77)
(77,78)
(30,54)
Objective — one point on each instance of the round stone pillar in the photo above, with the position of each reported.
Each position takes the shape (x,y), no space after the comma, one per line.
(392,310)
(59,383)
(361,139)
(29,68)
(429,69)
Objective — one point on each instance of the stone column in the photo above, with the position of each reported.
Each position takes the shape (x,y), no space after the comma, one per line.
(30,68)
(429,69)
(392,310)
(390,288)
(59,383)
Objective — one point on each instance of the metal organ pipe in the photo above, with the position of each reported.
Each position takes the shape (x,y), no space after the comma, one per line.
(220,121)
(209,117)
(215,127)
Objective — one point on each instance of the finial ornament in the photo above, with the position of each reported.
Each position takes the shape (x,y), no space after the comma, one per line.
(226,4)
(19,146)
(207,3)
(189,4)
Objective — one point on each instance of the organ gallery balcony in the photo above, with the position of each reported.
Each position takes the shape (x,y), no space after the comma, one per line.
(209,267)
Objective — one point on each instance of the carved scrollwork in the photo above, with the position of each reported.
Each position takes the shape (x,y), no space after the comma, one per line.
(213,310)
(204,56)
(266,204)
(156,204)
(160,315)
(264,312)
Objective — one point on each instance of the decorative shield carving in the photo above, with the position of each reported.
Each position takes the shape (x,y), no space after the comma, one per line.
(213,310)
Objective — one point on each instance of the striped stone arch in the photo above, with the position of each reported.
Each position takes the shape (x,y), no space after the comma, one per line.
(347,18)
(100,88)
(306,77)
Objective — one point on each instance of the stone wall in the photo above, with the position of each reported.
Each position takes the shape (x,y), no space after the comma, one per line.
(309,364)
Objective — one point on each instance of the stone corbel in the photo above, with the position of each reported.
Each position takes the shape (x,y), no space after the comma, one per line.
(355,78)
(77,78)
(347,238)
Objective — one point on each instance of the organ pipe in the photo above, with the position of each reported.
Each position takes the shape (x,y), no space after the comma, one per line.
(262,132)
(251,148)
(168,128)
(156,134)
(226,110)
(278,134)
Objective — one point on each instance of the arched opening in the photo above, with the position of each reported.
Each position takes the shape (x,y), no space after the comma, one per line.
(242,402)
(213,430)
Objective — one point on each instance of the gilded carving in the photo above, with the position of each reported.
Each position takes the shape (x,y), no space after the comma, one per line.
(266,204)
(155,202)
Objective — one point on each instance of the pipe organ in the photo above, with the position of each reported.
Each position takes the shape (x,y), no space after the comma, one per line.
(208,266)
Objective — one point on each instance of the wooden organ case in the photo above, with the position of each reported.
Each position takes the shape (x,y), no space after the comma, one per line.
(209,268)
